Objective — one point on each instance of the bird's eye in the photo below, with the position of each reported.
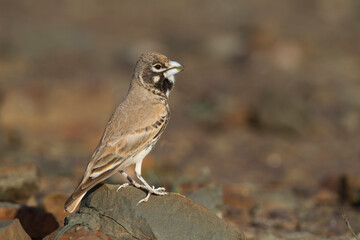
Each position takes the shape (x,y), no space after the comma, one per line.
(157,66)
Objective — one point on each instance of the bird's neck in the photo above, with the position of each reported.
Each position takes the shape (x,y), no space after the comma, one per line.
(137,85)
(145,94)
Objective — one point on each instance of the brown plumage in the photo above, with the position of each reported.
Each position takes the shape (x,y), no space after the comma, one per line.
(134,127)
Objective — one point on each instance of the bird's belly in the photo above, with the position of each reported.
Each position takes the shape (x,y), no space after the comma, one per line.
(138,157)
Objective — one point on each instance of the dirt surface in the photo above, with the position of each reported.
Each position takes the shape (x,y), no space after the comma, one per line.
(267,107)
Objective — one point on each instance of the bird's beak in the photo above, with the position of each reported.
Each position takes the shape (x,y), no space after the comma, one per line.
(174,68)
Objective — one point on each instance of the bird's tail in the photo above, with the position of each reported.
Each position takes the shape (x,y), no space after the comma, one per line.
(85,185)
(73,201)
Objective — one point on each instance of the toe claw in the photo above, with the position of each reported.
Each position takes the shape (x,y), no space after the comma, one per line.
(144,199)
(122,186)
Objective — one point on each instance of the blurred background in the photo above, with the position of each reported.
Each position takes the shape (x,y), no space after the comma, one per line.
(267,109)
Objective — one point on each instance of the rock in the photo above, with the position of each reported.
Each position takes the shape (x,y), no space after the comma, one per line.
(240,203)
(54,203)
(8,211)
(210,197)
(162,217)
(324,220)
(276,209)
(12,230)
(326,197)
(5,197)
(19,182)
(35,221)
(79,233)
(349,190)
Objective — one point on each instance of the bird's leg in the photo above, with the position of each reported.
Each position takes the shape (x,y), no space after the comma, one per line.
(131,182)
(151,190)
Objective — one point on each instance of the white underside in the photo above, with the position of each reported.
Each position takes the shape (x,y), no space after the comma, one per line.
(138,157)
(132,160)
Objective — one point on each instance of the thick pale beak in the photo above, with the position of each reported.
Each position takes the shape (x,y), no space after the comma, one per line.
(173,69)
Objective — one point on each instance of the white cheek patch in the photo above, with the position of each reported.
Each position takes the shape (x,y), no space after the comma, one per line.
(156,79)
(171,79)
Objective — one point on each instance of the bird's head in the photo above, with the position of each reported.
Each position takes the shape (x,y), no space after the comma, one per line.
(156,72)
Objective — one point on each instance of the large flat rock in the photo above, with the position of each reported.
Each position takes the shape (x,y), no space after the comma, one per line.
(162,217)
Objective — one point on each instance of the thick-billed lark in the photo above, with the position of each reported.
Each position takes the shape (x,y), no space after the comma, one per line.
(134,128)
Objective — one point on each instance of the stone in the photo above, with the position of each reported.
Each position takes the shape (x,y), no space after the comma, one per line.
(276,209)
(35,221)
(349,190)
(79,233)
(210,197)
(326,197)
(54,203)
(4,197)
(163,217)
(19,182)
(8,211)
(13,230)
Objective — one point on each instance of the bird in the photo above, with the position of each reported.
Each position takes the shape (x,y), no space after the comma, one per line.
(133,129)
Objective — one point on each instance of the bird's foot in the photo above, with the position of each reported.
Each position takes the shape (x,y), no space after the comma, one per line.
(135,184)
(152,190)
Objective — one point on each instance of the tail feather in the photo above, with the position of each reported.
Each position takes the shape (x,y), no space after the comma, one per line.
(72,203)
(85,185)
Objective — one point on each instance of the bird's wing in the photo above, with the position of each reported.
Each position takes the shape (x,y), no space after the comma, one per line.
(114,153)
(109,156)
(120,148)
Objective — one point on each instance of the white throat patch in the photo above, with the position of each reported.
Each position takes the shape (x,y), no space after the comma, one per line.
(156,79)
(171,79)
